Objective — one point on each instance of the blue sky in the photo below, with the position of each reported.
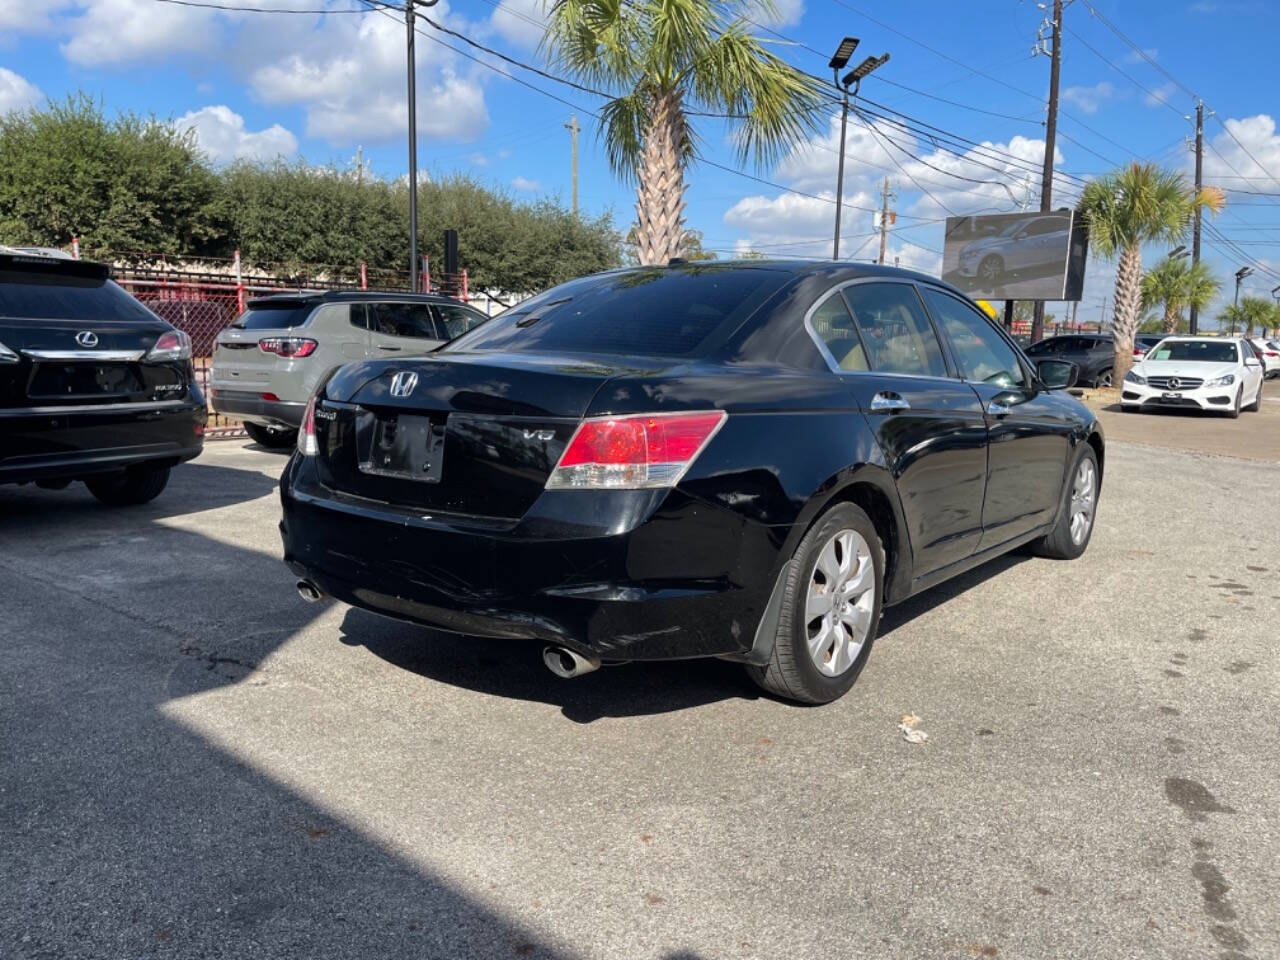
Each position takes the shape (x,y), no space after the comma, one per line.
(320,86)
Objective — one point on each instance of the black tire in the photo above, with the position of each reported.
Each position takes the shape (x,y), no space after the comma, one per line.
(991,269)
(1105,375)
(1257,401)
(1058,544)
(791,672)
(274,438)
(131,487)
(1234,412)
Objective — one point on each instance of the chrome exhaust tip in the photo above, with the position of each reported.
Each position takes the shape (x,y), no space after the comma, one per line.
(309,592)
(567,664)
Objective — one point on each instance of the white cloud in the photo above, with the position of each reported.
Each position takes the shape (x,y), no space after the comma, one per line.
(1229,161)
(525,185)
(785,13)
(1133,56)
(1160,95)
(521,22)
(17,93)
(1090,98)
(349,77)
(122,31)
(29,16)
(221,134)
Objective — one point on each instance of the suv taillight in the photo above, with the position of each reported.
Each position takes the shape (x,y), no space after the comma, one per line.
(307,443)
(174,345)
(634,452)
(288,346)
(7,355)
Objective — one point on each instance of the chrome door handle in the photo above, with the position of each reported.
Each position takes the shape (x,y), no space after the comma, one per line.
(889,403)
(997,409)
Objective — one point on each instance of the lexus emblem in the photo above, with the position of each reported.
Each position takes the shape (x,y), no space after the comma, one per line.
(87,338)
(1174,383)
(402,383)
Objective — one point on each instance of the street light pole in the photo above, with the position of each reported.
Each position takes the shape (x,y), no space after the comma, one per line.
(844,123)
(411,59)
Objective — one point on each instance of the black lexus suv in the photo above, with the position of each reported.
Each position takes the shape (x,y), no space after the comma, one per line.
(93,385)
(741,460)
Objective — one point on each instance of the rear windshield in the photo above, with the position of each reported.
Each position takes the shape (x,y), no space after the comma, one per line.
(1195,350)
(45,295)
(652,311)
(276,316)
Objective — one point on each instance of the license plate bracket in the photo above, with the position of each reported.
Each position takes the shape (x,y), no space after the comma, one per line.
(1171,395)
(404,446)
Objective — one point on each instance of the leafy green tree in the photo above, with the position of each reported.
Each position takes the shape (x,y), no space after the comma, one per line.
(129,184)
(1135,205)
(665,62)
(1176,284)
(1249,313)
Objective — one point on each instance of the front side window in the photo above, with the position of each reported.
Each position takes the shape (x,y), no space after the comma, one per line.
(455,321)
(981,353)
(895,331)
(402,320)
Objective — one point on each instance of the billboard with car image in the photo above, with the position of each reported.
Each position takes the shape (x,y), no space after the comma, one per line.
(1016,256)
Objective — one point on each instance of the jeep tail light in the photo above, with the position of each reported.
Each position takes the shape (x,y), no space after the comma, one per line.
(288,346)
(174,345)
(634,452)
(307,443)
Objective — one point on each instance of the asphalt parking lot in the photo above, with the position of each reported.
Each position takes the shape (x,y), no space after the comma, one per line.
(196,763)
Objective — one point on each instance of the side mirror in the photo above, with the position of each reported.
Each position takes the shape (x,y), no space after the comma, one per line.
(1251,362)
(1057,374)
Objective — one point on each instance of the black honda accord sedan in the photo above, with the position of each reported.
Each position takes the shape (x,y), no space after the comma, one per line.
(93,385)
(738,460)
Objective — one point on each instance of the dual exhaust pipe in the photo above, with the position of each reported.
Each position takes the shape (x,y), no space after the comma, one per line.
(561,661)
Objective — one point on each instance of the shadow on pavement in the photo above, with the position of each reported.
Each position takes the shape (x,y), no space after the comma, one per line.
(514,668)
(897,617)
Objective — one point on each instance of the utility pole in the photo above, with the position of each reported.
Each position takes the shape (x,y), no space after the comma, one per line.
(1050,138)
(359,165)
(1195,235)
(413,147)
(573,128)
(884,218)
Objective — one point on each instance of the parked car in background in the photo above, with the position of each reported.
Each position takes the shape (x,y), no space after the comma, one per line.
(94,387)
(270,360)
(1094,354)
(1144,342)
(1269,350)
(743,460)
(1208,373)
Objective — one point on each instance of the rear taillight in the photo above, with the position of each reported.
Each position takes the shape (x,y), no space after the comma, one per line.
(288,346)
(307,444)
(1271,353)
(7,355)
(634,452)
(174,345)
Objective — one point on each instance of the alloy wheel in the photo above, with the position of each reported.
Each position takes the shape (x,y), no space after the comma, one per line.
(839,602)
(1084,496)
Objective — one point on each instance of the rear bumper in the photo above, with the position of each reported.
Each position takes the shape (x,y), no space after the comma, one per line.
(658,576)
(244,405)
(39,443)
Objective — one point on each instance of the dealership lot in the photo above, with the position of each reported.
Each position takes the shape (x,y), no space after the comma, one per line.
(197,763)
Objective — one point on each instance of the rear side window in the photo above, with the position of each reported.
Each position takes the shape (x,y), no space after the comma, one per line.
(402,320)
(651,311)
(833,324)
(896,333)
(44,295)
(280,315)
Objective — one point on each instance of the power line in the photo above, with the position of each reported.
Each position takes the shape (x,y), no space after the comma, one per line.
(322,11)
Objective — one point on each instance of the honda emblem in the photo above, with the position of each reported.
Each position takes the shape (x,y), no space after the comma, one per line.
(402,383)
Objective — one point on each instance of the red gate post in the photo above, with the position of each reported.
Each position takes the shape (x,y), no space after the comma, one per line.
(464,286)
(364,276)
(239,285)
(75,247)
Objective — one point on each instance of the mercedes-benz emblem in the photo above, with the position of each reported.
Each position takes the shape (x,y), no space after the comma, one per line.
(1174,383)
(87,338)
(402,383)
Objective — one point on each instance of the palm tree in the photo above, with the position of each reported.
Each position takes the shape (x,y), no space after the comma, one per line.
(1250,312)
(664,62)
(1176,284)
(1137,204)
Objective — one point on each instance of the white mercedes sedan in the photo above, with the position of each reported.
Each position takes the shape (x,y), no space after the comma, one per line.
(1209,373)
